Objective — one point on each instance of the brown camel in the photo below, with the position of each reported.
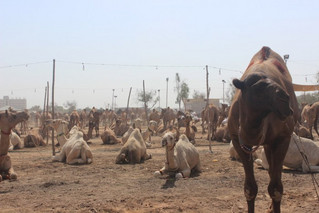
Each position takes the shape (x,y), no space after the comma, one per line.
(190,130)
(210,116)
(74,119)
(168,117)
(263,113)
(310,115)
(109,137)
(8,120)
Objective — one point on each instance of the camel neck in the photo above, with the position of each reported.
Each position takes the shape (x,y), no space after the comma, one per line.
(4,143)
(61,135)
(170,158)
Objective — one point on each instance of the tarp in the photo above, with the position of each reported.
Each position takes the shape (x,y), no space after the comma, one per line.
(299,87)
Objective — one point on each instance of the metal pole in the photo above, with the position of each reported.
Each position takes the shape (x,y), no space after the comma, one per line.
(53,83)
(224,91)
(207,108)
(159,98)
(47,112)
(166,91)
(113,100)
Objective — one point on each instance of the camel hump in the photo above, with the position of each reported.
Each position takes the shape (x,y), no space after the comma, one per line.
(265,53)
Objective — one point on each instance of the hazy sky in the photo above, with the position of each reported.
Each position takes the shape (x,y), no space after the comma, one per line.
(104,45)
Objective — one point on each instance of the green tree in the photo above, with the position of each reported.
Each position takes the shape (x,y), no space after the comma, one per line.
(35,108)
(198,95)
(70,106)
(149,98)
(182,90)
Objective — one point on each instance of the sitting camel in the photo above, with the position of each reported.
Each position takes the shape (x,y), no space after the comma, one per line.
(222,134)
(294,158)
(134,150)
(109,137)
(181,157)
(190,130)
(33,139)
(8,120)
(75,150)
(15,141)
(120,127)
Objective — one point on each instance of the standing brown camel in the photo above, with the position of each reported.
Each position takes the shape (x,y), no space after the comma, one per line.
(264,112)
(8,120)
(210,116)
(310,115)
(167,115)
(74,119)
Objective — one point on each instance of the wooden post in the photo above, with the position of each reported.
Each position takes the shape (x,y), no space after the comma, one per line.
(128,102)
(43,113)
(53,83)
(145,106)
(47,112)
(207,110)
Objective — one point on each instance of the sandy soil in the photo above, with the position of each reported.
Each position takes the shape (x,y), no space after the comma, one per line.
(45,186)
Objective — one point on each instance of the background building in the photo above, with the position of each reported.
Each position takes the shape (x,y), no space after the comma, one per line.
(197,105)
(19,104)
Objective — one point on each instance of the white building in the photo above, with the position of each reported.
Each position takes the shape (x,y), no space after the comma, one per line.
(19,104)
(197,105)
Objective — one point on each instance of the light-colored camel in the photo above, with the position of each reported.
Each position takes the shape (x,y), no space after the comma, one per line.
(15,141)
(222,134)
(75,150)
(8,120)
(109,137)
(145,134)
(61,128)
(182,157)
(134,150)
(294,158)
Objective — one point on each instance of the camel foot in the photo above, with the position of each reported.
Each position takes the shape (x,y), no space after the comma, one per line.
(157,174)
(179,175)
(89,160)
(13,176)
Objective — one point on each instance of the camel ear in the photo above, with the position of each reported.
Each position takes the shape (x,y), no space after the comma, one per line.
(239,84)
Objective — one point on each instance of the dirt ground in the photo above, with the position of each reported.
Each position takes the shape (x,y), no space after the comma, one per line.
(103,186)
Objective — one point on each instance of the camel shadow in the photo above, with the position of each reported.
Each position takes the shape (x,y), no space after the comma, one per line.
(170,183)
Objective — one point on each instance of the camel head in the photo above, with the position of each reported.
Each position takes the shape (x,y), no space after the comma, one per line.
(10,118)
(262,95)
(54,123)
(152,126)
(169,139)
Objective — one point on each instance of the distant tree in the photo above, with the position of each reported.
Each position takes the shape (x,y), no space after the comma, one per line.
(199,95)
(308,98)
(230,93)
(70,106)
(182,90)
(149,98)
(35,108)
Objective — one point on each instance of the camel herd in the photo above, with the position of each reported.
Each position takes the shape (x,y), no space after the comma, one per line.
(264,124)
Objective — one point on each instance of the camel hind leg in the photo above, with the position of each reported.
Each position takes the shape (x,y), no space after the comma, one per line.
(74,157)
